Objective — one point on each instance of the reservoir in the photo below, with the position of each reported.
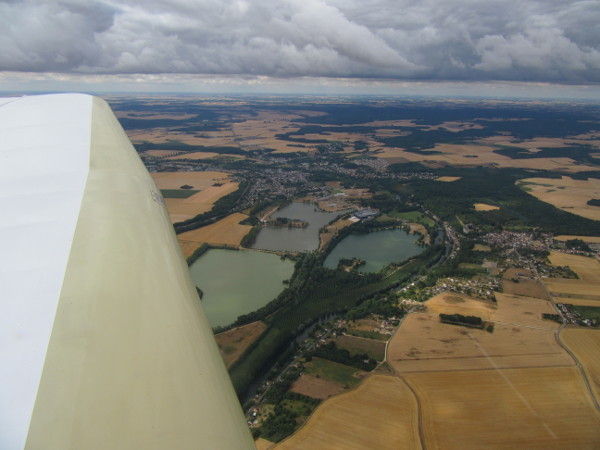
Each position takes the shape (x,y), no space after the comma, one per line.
(238,282)
(378,249)
(295,239)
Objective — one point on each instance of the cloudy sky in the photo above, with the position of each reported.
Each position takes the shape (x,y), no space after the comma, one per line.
(311,45)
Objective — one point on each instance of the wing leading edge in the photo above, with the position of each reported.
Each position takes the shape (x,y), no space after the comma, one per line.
(111,349)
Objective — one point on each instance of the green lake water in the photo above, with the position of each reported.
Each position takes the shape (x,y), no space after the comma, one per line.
(295,239)
(238,282)
(378,249)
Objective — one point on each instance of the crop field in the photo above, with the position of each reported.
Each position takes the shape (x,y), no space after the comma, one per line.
(198,180)
(481,154)
(157,115)
(521,310)
(424,344)
(314,387)
(485,207)
(357,345)
(563,287)
(364,324)
(166,135)
(577,301)
(227,231)
(331,230)
(585,343)
(232,343)
(582,291)
(587,269)
(161,153)
(448,179)
(201,155)
(263,444)
(344,375)
(181,209)
(588,239)
(513,408)
(177,193)
(482,248)
(414,216)
(453,303)
(567,194)
(517,282)
(381,413)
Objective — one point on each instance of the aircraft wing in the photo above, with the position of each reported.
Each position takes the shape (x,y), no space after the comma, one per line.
(103,341)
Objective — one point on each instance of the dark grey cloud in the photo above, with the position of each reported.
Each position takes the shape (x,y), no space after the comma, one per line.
(524,40)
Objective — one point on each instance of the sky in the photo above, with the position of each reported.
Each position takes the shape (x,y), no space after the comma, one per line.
(453,47)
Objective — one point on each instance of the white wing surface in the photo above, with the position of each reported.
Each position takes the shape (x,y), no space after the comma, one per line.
(103,341)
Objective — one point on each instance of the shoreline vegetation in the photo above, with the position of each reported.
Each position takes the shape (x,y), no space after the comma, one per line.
(313,291)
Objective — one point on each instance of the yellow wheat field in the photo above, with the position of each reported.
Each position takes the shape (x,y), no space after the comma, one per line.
(424,344)
(526,311)
(198,180)
(586,287)
(381,413)
(227,231)
(588,239)
(585,343)
(453,303)
(567,194)
(587,269)
(181,209)
(545,408)
(448,179)
(485,207)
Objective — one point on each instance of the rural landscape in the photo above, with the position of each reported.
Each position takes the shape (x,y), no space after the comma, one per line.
(391,272)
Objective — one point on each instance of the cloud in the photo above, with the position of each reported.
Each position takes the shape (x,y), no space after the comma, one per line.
(526,40)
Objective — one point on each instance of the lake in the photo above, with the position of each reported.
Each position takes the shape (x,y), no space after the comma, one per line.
(378,249)
(238,282)
(295,239)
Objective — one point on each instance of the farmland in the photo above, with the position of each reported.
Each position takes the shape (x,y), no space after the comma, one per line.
(451,168)
(423,343)
(566,193)
(227,231)
(315,387)
(485,207)
(381,413)
(452,303)
(374,348)
(345,376)
(585,343)
(198,180)
(587,269)
(588,239)
(521,282)
(232,343)
(211,186)
(512,408)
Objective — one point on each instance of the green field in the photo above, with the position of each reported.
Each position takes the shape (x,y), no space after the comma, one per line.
(332,371)
(414,216)
(177,193)
(356,345)
(368,334)
(300,405)
(588,312)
